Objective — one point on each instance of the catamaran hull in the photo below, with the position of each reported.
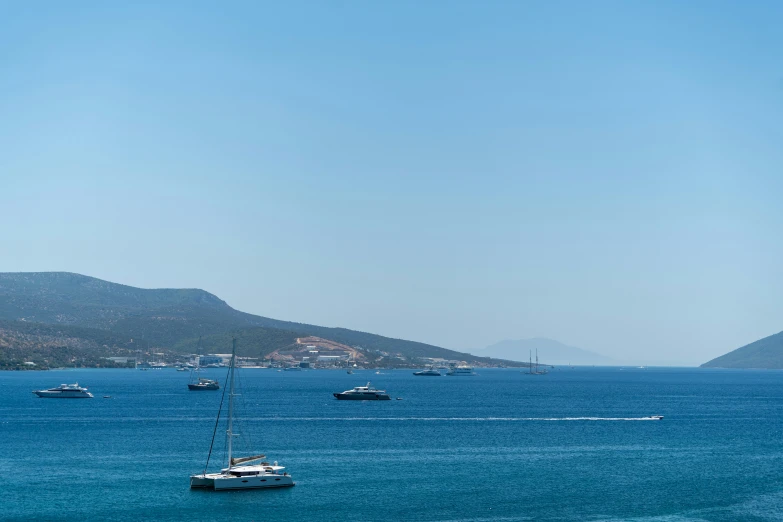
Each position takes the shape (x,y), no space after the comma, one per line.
(59,395)
(361,397)
(202,481)
(222,483)
(251,482)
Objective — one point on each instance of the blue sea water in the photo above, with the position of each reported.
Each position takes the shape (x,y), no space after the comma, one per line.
(498,446)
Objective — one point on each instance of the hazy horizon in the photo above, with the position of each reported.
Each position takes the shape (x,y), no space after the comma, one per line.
(606,175)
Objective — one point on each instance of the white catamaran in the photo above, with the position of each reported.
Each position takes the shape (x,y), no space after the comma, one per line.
(241,473)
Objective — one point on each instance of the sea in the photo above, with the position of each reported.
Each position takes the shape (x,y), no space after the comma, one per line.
(574,444)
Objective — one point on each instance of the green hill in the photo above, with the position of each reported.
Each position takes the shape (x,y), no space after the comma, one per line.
(764,353)
(173,318)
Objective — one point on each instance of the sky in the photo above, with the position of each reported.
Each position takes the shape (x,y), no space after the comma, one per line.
(607,174)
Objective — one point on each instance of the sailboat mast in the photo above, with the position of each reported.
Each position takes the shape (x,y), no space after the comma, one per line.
(229,434)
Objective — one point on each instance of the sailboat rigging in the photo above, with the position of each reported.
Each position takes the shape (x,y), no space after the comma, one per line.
(239,474)
(537,370)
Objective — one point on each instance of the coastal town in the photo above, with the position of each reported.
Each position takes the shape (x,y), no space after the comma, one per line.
(308,353)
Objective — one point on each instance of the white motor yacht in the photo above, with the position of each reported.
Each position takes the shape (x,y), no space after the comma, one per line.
(65,391)
(363,393)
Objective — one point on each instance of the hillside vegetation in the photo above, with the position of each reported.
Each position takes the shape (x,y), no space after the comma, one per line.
(51,346)
(251,342)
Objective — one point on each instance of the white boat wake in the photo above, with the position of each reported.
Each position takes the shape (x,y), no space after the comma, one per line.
(463,419)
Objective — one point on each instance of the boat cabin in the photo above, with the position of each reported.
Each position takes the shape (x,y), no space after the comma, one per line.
(251,471)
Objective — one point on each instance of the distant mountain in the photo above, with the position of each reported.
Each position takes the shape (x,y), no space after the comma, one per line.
(764,353)
(171,318)
(549,352)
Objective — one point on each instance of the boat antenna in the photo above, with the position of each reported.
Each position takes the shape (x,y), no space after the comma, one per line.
(217,421)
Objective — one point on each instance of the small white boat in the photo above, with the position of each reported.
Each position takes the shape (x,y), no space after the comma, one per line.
(65,391)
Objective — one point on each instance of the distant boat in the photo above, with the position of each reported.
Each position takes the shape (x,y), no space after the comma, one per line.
(64,391)
(350,371)
(537,370)
(204,385)
(458,371)
(292,369)
(655,417)
(431,372)
(363,393)
(246,476)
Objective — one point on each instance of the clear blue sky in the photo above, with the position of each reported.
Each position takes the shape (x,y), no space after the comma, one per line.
(608,174)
